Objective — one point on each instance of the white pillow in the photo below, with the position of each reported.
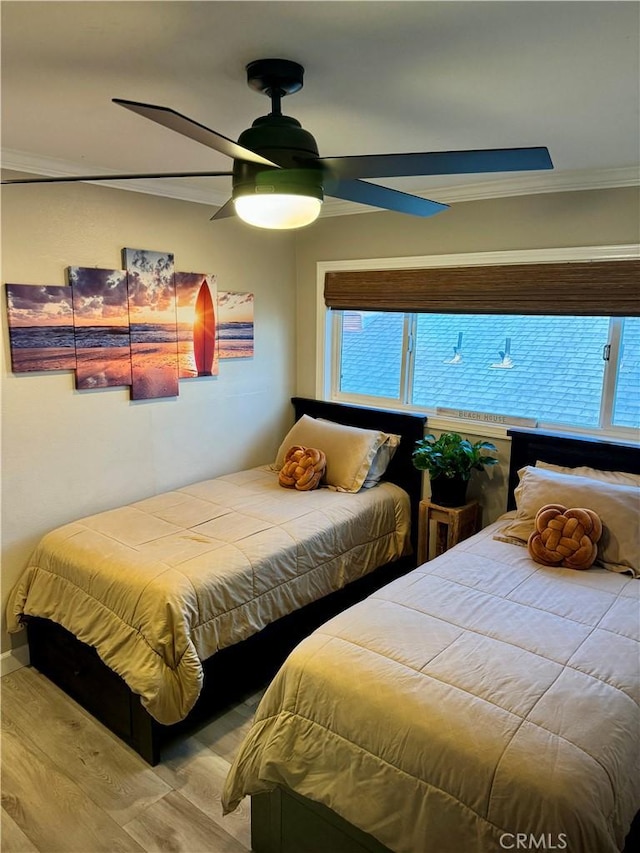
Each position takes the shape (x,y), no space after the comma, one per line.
(350,451)
(617,505)
(384,455)
(622,477)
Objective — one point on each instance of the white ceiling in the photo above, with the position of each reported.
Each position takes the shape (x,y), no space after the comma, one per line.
(382,76)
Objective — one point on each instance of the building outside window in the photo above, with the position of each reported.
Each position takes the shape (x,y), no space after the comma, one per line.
(579,372)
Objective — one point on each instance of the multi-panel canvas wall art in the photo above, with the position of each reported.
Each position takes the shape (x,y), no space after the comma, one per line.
(40,327)
(146,326)
(101,327)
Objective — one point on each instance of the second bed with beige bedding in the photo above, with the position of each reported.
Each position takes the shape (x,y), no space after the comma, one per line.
(480,696)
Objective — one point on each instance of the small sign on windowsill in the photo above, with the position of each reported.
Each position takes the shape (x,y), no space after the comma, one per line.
(486,418)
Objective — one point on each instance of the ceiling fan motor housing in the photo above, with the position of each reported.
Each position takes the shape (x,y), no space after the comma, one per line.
(281,139)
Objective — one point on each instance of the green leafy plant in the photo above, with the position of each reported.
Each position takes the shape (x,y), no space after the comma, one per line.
(451,456)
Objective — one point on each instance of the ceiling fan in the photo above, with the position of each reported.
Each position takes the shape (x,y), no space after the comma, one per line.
(278,178)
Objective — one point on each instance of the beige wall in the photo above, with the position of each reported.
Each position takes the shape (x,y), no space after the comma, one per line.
(66,453)
(589,218)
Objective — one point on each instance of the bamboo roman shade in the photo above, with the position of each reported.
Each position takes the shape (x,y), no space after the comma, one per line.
(598,288)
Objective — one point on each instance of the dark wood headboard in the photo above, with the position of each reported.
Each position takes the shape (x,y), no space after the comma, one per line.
(530,445)
(410,426)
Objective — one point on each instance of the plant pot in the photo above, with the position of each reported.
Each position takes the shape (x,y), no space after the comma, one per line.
(449,491)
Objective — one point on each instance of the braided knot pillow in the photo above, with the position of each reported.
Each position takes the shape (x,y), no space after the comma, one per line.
(565,537)
(303,468)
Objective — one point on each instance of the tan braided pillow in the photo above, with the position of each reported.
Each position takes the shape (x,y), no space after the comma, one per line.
(303,468)
(565,537)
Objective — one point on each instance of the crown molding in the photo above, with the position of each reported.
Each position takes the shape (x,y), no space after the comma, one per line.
(548,182)
(50,167)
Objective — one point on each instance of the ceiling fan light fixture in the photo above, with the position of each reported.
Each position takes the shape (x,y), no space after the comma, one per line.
(280,199)
(278,212)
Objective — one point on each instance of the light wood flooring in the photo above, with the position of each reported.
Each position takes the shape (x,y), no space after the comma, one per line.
(70,786)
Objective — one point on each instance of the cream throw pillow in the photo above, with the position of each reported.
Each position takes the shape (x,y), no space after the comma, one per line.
(384,455)
(349,450)
(617,505)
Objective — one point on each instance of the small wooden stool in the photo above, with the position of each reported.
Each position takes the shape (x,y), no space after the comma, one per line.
(452,524)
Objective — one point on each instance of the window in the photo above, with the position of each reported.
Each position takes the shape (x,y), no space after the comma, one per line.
(461,336)
(554,370)
(626,404)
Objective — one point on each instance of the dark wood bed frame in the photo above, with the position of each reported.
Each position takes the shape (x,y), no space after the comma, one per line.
(285,822)
(235,672)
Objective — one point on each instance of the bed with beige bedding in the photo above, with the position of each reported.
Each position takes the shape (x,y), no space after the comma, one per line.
(482,702)
(144,611)
(162,584)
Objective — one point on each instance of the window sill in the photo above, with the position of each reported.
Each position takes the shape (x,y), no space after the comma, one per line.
(488,430)
(467,425)
(484,429)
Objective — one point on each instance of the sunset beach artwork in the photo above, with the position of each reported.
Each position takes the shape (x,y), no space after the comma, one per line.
(235,324)
(153,323)
(40,327)
(101,327)
(196,297)
(145,326)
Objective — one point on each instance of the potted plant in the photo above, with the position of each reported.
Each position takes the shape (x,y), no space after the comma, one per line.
(450,459)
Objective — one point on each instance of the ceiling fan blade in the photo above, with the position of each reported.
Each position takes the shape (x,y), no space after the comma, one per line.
(128,177)
(228,209)
(188,127)
(438,163)
(377,196)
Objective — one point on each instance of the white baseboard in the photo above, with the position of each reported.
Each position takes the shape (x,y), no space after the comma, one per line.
(14,659)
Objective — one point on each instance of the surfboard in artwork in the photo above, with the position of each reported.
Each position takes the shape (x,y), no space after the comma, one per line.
(204,332)
(197,340)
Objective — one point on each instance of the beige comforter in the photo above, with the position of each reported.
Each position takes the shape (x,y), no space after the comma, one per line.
(478,697)
(161,584)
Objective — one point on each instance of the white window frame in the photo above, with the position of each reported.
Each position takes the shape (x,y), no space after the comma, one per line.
(328,337)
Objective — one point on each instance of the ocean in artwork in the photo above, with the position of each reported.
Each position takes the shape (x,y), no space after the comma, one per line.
(235,324)
(103,357)
(42,348)
(99,337)
(40,327)
(235,340)
(101,322)
(150,334)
